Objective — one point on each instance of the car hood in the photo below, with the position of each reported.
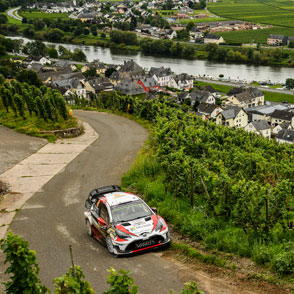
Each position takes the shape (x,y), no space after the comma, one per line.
(139,226)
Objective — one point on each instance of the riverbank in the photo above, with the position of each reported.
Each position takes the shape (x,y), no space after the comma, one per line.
(159,47)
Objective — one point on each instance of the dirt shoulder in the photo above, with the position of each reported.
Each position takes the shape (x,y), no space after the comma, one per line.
(240,275)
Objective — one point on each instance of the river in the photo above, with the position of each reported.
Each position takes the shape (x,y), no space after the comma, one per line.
(177,65)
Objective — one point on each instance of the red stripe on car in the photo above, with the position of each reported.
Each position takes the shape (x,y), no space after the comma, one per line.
(155,221)
(124,230)
(146,248)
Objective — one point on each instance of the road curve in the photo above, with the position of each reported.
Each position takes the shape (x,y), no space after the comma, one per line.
(53,218)
(13,13)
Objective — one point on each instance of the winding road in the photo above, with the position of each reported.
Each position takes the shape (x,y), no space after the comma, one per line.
(53,218)
(13,13)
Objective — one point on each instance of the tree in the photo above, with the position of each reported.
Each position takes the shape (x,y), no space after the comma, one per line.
(52,52)
(41,109)
(3,18)
(291,44)
(86,31)
(39,24)
(19,104)
(55,35)
(29,32)
(289,83)
(91,73)
(36,48)
(30,77)
(93,30)
(109,72)
(78,31)
(79,55)
(4,98)
(23,268)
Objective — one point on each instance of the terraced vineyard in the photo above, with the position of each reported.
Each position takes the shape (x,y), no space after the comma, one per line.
(274,12)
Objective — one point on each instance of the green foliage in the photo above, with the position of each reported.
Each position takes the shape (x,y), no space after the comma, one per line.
(191,288)
(289,83)
(73,283)
(19,104)
(284,262)
(30,77)
(120,282)
(128,38)
(23,268)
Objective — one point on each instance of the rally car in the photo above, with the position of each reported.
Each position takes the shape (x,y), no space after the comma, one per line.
(124,222)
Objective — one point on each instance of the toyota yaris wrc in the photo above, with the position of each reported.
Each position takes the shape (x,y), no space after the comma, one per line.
(124,222)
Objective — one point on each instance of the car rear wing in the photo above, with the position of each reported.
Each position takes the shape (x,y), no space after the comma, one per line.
(99,192)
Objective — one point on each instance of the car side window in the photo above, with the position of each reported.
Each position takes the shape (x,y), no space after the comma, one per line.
(103,213)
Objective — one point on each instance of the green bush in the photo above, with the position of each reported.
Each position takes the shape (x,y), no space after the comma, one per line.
(283,263)
(120,282)
(23,268)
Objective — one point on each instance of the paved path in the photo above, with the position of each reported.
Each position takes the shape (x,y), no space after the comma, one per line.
(13,13)
(14,147)
(53,217)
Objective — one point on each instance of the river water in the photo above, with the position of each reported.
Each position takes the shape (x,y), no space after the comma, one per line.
(193,67)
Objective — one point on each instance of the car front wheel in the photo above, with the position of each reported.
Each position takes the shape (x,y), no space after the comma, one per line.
(89,229)
(109,245)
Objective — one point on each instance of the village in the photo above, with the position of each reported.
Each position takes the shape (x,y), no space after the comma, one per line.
(156,19)
(240,108)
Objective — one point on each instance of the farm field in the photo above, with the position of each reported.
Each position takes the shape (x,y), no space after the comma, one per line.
(42,15)
(274,12)
(254,36)
(198,20)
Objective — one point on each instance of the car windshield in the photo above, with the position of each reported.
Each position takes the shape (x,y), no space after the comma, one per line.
(130,211)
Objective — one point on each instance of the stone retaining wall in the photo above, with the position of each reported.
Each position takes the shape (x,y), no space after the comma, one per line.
(66,133)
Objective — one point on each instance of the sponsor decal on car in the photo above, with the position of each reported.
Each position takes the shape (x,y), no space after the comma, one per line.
(145,243)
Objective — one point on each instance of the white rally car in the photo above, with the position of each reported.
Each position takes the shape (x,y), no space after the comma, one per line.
(124,222)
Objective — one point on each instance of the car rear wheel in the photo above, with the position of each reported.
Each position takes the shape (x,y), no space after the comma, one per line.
(89,229)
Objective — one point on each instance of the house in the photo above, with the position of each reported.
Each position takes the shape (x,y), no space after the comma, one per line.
(149,84)
(260,127)
(263,112)
(17,60)
(86,16)
(283,126)
(74,85)
(233,117)
(285,136)
(209,110)
(210,38)
(129,86)
(171,34)
(195,33)
(280,116)
(249,98)
(37,59)
(98,85)
(201,97)
(162,75)
(132,68)
(276,40)
(182,81)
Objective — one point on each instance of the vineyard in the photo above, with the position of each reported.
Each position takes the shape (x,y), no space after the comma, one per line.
(280,14)
(29,109)
(231,189)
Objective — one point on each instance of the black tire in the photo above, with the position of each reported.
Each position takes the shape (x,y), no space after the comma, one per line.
(89,230)
(109,245)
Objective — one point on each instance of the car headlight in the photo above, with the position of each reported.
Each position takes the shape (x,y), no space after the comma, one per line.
(160,225)
(121,234)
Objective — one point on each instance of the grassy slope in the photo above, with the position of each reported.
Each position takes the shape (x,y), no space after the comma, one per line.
(41,15)
(32,125)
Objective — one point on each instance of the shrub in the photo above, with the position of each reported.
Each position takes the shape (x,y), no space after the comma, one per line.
(120,282)
(283,263)
(23,267)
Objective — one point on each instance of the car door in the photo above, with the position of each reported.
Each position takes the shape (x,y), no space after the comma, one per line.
(103,219)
